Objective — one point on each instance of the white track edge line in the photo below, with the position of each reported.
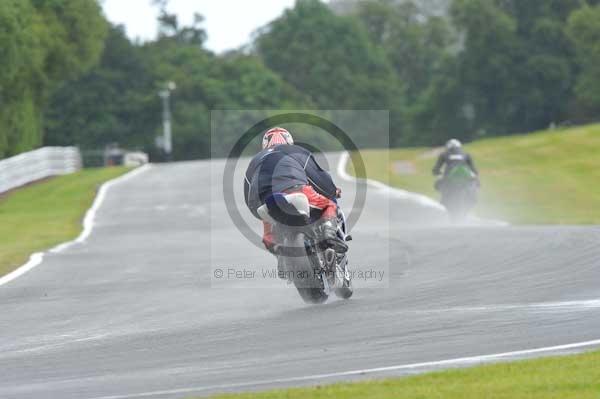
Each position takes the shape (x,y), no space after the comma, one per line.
(421,199)
(414,197)
(88,225)
(432,364)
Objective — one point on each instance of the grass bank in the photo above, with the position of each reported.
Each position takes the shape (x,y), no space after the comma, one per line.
(42,215)
(572,377)
(550,177)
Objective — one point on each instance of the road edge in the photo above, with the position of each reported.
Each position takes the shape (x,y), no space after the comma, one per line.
(37,258)
(410,196)
(424,367)
(420,199)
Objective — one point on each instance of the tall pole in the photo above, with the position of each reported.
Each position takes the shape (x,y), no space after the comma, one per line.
(165,95)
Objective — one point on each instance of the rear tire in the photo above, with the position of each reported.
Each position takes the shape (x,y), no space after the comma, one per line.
(344,292)
(310,289)
(313,296)
(459,201)
(456,207)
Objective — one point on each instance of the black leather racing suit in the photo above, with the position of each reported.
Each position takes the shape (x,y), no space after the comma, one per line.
(281,168)
(286,168)
(450,159)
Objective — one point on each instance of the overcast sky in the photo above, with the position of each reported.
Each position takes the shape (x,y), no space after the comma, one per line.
(229,23)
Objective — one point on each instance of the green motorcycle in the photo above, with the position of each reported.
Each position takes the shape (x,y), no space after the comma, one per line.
(459,191)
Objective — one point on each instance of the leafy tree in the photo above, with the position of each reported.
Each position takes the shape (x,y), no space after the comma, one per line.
(548,70)
(169,27)
(516,62)
(332,60)
(415,46)
(42,43)
(489,67)
(72,34)
(118,100)
(420,48)
(488,61)
(109,104)
(19,119)
(310,45)
(207,82)
(584,30)
(442,111)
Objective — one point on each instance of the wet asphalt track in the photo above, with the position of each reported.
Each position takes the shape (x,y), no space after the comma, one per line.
(131,313)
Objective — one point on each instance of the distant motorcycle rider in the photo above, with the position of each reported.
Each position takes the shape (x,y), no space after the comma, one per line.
(282,167)
(453,156)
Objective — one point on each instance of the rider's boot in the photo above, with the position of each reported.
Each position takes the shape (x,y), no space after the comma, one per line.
(330,257)
(328,231)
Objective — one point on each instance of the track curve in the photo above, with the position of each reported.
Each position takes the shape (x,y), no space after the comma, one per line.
(131,313)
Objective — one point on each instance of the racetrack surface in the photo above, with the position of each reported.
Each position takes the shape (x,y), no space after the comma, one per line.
(134,312)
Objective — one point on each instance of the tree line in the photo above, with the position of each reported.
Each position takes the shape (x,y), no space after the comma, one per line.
(483,68)
(42,45)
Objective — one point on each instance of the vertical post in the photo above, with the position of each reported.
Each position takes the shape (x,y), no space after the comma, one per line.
(165,95)
(167,133)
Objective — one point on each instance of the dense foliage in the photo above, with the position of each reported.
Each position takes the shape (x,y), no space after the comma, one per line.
(42,43)
(118,100)
(478,68)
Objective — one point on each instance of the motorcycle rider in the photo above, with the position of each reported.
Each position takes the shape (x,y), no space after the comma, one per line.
(453,156)
(282,167)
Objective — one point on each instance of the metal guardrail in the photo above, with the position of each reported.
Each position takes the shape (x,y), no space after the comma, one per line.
(38,164)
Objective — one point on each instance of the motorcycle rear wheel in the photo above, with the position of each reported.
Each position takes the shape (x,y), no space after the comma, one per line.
(311,289)
(344,292)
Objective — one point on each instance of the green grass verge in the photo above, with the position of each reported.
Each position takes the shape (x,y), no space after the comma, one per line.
(570,377)
(42,215)
(548,177)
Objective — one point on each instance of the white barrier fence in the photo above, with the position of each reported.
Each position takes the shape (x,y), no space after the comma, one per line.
(38,164)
